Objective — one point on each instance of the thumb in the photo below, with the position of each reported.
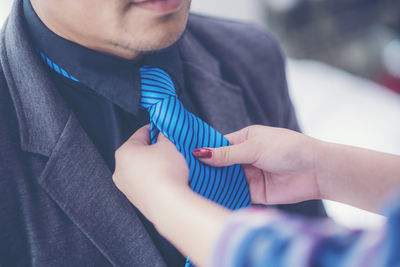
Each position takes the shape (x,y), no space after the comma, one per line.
(239,136)
(141,136)
(164,141)
(241,153)
(162,138)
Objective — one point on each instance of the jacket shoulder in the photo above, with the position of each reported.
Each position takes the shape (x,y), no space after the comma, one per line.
(235,38)
(249,57)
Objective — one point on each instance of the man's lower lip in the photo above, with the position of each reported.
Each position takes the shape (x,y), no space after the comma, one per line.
(160,6)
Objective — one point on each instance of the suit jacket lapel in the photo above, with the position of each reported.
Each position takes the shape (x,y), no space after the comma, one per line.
(75,175)
(79,181)
(220,102)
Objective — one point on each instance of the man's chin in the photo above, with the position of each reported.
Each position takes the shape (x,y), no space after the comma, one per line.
(158,48)
(151,47)
(175,29)
(154,40)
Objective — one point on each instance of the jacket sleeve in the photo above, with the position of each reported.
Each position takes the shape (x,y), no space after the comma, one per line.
(257,237)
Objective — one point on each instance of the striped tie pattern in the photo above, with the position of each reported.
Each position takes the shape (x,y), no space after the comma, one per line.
(226,186)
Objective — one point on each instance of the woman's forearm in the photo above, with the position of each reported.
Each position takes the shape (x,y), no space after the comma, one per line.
(191,223)
(356,176)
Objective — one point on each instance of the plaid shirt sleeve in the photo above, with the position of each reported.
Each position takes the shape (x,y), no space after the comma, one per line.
(267,237)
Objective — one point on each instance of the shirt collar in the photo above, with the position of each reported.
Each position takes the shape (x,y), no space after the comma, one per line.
(114,78)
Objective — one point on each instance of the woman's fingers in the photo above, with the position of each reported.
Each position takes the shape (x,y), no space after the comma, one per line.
(141,136)
(238,136)
(256,180)
(162,139)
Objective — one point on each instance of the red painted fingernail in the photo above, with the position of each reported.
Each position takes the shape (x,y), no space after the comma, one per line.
(202,153)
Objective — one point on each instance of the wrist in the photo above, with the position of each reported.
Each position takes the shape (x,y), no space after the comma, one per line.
(191,217)
(166,202)
(322,163)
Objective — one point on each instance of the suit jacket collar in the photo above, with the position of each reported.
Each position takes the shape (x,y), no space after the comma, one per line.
(41,113)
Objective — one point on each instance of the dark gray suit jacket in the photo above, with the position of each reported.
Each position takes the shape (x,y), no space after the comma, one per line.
(58,204)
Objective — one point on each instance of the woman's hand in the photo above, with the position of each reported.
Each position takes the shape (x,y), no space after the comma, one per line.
(284,166)
(279,164)
(148,173)
(155,179)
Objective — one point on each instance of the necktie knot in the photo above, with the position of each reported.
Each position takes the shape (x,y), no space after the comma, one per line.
(156,84)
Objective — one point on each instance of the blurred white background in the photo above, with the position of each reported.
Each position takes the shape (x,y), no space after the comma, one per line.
(331,104)
(5,6)
(248,10)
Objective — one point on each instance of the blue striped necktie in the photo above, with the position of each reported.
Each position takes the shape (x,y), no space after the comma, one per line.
(226,186)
